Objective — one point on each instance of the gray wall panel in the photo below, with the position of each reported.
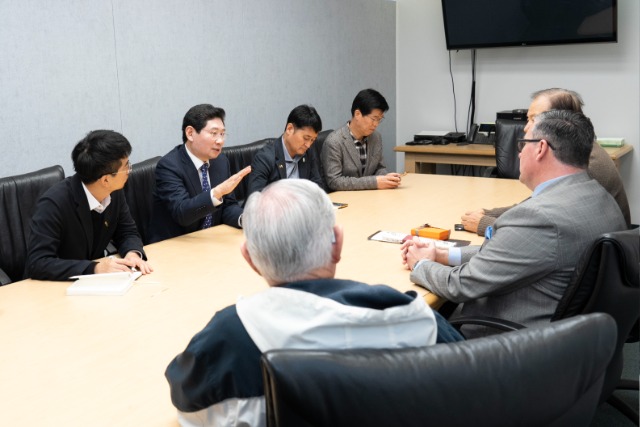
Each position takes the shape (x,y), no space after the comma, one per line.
(57,80)
(137,66)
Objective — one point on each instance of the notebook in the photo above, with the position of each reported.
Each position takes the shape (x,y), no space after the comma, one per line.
(103,284)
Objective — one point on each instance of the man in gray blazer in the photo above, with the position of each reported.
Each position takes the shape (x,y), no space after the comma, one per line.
(523,268)
(352,155)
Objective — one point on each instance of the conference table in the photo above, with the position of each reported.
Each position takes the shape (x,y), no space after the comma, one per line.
(424,158)
(100,361)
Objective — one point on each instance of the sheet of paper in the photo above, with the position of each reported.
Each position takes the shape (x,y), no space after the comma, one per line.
(398,237)
(102,284)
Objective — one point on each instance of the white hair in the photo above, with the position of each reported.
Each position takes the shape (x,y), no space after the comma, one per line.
(289,229)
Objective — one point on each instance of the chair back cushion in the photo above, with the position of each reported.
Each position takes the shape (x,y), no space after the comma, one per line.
(241,156)
(507,160)
(550,375)
(607,279)
(18,197)
(139,194)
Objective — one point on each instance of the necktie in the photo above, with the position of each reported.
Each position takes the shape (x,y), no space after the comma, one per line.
(294,168)
(206,188)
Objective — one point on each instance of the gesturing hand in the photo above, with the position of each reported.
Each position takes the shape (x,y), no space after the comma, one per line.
(230,184)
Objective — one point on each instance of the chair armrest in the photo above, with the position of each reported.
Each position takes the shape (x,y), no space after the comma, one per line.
(4,279)
(490,172)
(492,322)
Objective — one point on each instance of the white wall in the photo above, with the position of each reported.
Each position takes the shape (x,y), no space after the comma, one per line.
(136,66)
(606,75)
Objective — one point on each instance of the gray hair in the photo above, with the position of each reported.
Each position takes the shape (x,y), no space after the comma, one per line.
(561,99)
(289,229)
(570,134)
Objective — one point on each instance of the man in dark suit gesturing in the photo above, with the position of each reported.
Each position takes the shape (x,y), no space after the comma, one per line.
(75,220)
(194,187)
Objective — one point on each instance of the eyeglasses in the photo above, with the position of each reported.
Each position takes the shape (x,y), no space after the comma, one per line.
(127,170)
(522,142)
(218,134)
(375,119)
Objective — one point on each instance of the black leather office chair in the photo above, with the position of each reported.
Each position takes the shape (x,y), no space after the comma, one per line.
(18,197)
(139,194)
(241,156)
(507,160)
(546,376)
(317,147)
(606,279)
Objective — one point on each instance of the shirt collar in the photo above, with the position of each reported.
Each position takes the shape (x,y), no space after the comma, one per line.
(545,184)
(196,161)
(362,141)
(287,157)
(94,204)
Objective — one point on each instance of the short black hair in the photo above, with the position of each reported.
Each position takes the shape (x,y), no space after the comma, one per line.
(570,133)
(198,116)
(99,153)
(368,100)
(305,116)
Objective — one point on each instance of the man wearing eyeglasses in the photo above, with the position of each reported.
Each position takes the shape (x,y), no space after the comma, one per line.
(75,220)
(601,167)
(521,271)
(290,156)
(194,185)
(352,155)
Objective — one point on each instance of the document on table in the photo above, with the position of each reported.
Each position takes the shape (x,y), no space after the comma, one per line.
(103,284)
(398,237)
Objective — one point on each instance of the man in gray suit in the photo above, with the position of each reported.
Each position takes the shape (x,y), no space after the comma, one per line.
(523,268)
(352,155)
(601,167)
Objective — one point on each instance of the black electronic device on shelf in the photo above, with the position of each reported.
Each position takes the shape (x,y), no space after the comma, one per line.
(485,133)
(436,138)
(517,114)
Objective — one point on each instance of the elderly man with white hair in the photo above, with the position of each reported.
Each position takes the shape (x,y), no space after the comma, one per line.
(217,379)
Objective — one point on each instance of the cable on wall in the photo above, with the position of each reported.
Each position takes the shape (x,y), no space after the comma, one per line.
(453,89)
(115,49)
(471,112)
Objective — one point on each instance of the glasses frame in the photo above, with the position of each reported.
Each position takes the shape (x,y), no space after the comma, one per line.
(216,135)
(375,119)
(522,142)
(127,170)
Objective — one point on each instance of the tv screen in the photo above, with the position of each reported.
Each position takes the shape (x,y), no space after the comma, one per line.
(471,24)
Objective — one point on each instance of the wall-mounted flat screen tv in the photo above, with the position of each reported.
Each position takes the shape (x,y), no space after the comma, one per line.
(471,24)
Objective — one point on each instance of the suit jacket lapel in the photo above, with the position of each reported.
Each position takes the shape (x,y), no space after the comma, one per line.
(304,166)
(281,164)
(83,212)
(347,139)
(193,177)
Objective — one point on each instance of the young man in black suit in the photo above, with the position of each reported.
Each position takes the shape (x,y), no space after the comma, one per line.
(75,220)
(194,186)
